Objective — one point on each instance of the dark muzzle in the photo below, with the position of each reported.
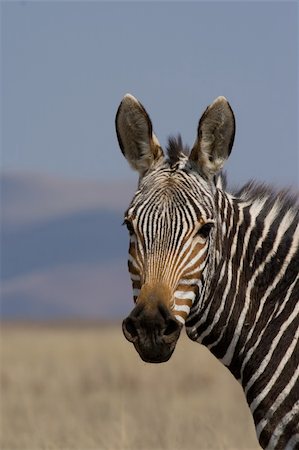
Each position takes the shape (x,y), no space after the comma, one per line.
(153,331)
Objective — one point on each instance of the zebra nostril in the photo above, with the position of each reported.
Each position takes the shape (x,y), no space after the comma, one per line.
(172,326)
(129,329)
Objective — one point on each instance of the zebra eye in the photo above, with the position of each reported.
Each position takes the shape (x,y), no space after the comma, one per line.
(204,231)
(129,226)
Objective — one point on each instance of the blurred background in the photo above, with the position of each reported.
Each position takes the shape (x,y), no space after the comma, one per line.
(64,188)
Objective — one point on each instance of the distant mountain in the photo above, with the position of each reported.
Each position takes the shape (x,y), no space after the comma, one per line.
(84,237)
(63,250)
(31,197)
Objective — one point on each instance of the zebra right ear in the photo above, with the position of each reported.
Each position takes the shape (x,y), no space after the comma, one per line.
(135,135)
(215,137)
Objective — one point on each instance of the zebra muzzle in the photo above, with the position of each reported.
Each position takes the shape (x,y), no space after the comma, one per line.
(154,332)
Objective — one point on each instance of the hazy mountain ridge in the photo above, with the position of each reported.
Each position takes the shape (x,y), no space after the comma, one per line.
(83,237)
(32,197)
(68,259)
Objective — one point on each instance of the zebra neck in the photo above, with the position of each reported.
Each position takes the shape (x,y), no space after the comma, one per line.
(215,319)
(236,303)
(249,314)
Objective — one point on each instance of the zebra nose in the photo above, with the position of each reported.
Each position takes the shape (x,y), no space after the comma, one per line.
(153,337)
(153,331)
(132,327)
(172,328)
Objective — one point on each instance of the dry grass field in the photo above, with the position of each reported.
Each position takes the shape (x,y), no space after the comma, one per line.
(84,387)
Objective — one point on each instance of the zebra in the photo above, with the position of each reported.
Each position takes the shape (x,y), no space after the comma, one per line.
(224,265)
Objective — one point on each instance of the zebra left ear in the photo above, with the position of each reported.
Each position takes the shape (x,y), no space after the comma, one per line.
(215,137)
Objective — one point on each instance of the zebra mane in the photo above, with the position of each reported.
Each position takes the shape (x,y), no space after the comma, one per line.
(176,149)
(285,199)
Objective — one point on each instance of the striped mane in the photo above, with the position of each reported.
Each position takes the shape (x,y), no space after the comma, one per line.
(253,191)
(284,200)
(176,149)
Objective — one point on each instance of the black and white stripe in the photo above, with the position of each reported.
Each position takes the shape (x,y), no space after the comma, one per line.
(248,316)
(245,306)
(163,246)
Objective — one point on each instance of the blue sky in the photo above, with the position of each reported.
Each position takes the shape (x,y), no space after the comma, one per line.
(66,66)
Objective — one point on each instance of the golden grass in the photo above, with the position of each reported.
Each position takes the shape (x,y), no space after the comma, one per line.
(86,388)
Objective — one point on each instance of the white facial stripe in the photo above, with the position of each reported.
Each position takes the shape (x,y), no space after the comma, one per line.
(179,319)
(188,281)
(136,292)
(134,277)
(184,308)
(175,272)
(184,295)
(197,257)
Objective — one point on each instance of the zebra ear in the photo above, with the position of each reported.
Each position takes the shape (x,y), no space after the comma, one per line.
(215,137)
(135,135)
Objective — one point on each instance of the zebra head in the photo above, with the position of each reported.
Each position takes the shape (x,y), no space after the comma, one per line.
(171,222)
